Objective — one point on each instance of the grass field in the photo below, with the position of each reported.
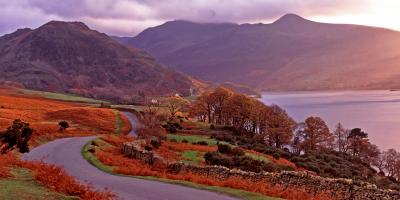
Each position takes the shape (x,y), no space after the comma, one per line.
(258,157)
(119,123)
(58,96)
(245,195)
(193,139)
(22,186)
(192,157)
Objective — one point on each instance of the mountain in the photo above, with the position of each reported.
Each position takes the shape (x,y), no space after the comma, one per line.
(291,53)
(70,57)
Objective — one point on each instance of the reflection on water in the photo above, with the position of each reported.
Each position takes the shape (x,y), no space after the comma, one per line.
(376,112)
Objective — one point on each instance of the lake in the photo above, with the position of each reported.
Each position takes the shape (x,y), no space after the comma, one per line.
(377,112)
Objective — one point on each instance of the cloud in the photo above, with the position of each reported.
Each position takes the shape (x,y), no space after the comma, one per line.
(19,14)
(128,17)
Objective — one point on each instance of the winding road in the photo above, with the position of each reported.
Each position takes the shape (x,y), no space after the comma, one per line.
(67,153)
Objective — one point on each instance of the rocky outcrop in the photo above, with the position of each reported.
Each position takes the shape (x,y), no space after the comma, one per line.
(339,188)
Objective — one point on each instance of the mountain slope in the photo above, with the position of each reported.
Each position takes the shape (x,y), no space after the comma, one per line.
(292,53)
(70,57)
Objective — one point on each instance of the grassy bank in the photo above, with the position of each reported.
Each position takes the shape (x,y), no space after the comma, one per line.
(23,186)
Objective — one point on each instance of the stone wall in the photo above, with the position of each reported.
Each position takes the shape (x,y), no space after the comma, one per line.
(133,150)
(340,188)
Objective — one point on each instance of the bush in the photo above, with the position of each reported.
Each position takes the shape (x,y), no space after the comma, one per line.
(185,141)
(148,148)
(169,128)
(202,143)
(223,148)
(17,135)
(237,152)
(239,162)
(276,155)
(215,158)
(212,127)
(156,143)
(63,125)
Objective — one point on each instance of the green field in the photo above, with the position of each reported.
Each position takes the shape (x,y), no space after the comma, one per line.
(23,186)
(192,157)
(59,96)
(257,157)
(194,139)
(119,123)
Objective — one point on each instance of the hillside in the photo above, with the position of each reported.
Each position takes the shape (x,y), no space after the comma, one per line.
(291,53)
(69,57)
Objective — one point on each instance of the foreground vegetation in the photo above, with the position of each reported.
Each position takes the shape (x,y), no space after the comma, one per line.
(108,158)
(24,186)
(101,144)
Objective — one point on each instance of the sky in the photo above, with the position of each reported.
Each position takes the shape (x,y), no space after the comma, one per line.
(129,17)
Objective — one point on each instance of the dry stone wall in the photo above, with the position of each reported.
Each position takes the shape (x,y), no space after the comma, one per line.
(345,189)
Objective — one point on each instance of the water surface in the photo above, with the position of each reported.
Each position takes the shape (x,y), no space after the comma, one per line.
(376,112)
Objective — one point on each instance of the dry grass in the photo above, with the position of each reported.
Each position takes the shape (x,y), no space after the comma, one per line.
(52,177)
(44,115)
(58,180)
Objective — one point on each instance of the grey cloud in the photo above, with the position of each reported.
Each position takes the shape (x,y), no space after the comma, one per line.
(127,17)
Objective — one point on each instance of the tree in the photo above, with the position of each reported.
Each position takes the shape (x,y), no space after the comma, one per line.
(316,134)
(297,144)
(151,118)
(358,139)
(16,136)
(204,105)
(391,163)
(63,125)
(341,134)
(175,104)
(370,154)
(238,110)
(220,96)
(279,127)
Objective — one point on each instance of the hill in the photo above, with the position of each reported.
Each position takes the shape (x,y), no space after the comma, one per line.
(291,53)
(69,57)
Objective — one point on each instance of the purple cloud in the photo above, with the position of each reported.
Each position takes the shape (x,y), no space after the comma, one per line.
(128,17)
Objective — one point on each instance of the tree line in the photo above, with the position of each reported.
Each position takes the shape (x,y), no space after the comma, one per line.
(248,116)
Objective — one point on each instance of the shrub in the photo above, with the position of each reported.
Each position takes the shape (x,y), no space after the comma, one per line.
(148,148)
(212,127)
(240,162)
(237,152)
(223,148)
(173,140)
(276,155)
(63,125)
(202,143)
(170,128)
(215,158)
(17,135)
(185,141)
(155,142)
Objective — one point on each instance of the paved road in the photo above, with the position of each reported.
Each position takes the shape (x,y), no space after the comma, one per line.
(67,153)
(134,122)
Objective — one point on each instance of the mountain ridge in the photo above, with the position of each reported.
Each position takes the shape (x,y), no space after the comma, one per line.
(70,57)
(292,53)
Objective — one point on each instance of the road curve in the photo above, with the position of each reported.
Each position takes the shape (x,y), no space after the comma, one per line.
(134,123)
(67,153)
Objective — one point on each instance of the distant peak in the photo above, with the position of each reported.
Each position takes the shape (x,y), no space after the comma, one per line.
(80,25)
(290,18)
